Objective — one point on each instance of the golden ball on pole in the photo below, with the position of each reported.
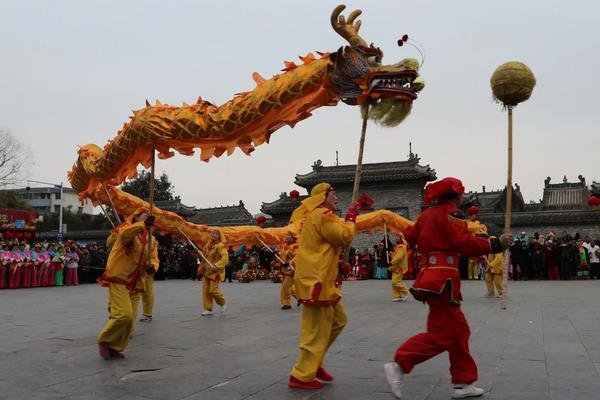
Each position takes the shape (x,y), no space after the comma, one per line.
(512,83)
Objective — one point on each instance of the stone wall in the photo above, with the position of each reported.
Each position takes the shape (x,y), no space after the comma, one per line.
(404,199)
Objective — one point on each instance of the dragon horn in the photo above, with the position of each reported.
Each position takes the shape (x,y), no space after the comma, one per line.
(347,29)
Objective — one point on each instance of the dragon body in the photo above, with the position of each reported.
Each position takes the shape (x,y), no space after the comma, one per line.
(352,74)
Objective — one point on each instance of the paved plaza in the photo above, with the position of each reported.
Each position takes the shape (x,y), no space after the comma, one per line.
(545,346)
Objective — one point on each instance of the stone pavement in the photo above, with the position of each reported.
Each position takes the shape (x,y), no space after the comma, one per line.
(545,346)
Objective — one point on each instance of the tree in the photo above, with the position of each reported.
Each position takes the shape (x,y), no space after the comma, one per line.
(140,187)
(9,199)
(14,159)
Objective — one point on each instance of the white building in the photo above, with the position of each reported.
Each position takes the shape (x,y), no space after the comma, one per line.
(46,200)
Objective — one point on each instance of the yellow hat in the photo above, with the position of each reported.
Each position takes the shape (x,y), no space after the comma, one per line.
(318,194)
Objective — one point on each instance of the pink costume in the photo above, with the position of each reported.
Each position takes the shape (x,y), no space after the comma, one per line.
(14,277)
(72,262)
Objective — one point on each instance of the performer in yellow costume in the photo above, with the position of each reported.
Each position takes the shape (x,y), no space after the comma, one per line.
(126,268)
(287,271)
(216,252)
(398,267)
(148,297)
(473,268)
(493,274)
(317,283)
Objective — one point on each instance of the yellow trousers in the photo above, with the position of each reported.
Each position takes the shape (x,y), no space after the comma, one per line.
(135,301)
(210,292)
(320,327)
(148,296)
(115,333)
(399,289)
(473,269)
(492,280)
(287,290)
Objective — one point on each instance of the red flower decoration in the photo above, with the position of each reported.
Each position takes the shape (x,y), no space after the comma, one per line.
(473,210)
(261,219)
(364,202)
(294,193)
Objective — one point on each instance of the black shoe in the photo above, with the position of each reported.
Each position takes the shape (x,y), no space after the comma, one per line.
(286,307)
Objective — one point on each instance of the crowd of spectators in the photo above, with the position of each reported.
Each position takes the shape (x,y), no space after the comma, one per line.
(533,257)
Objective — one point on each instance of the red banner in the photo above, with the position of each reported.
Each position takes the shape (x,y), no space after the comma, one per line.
(17,219)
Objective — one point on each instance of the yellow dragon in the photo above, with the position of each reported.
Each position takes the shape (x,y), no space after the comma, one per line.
(353,74)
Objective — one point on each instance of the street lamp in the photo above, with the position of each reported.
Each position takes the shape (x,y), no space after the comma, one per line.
(60,212)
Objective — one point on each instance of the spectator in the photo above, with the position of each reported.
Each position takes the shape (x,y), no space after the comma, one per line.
(594,257)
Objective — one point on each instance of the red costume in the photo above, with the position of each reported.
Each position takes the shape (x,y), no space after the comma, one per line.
(441,235)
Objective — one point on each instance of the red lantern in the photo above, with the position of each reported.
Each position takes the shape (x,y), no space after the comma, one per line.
(594,201)
(294,193)
(473,210)
(261,219)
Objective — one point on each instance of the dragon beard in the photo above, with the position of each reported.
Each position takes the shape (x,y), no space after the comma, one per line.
(387,113)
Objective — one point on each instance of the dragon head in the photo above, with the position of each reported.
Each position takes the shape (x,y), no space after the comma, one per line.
(357,76)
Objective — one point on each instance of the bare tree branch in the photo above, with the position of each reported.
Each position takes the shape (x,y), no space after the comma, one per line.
(14,159)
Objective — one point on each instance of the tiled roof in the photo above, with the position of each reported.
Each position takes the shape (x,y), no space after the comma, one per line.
(175,206)
(494,201)
(283,205)
(565,195)
(395,171)
(225,215)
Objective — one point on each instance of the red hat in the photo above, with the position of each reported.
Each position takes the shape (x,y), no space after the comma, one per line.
(444,187)
(473,210)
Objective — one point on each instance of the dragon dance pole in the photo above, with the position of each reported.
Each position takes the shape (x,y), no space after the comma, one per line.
(106,215)
(385,238)
(197,249)
(512,83)
(361,149)
(508,209)
(151,201)
(271,251)
(112,205)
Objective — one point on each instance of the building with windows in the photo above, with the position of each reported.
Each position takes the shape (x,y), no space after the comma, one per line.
(45,200)
(396,186)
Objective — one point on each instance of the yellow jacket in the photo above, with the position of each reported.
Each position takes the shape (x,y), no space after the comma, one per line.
(399,261)
(317,259)
(496,262)
(288,254)
(218,255)
(128,256)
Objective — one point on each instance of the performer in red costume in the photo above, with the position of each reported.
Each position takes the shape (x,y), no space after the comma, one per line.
(441,236)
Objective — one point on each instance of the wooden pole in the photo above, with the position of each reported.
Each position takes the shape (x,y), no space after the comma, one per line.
(106,215)
(151,201)
(385,237)
(112,205)
(361,150)
(508,208)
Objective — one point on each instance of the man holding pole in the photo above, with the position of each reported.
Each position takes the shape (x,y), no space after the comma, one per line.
(399,267)
(128,264)
(441,235)
(316,281)
(212,268)
(287,271)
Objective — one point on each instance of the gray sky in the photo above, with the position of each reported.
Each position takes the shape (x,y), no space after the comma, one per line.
(72,71)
